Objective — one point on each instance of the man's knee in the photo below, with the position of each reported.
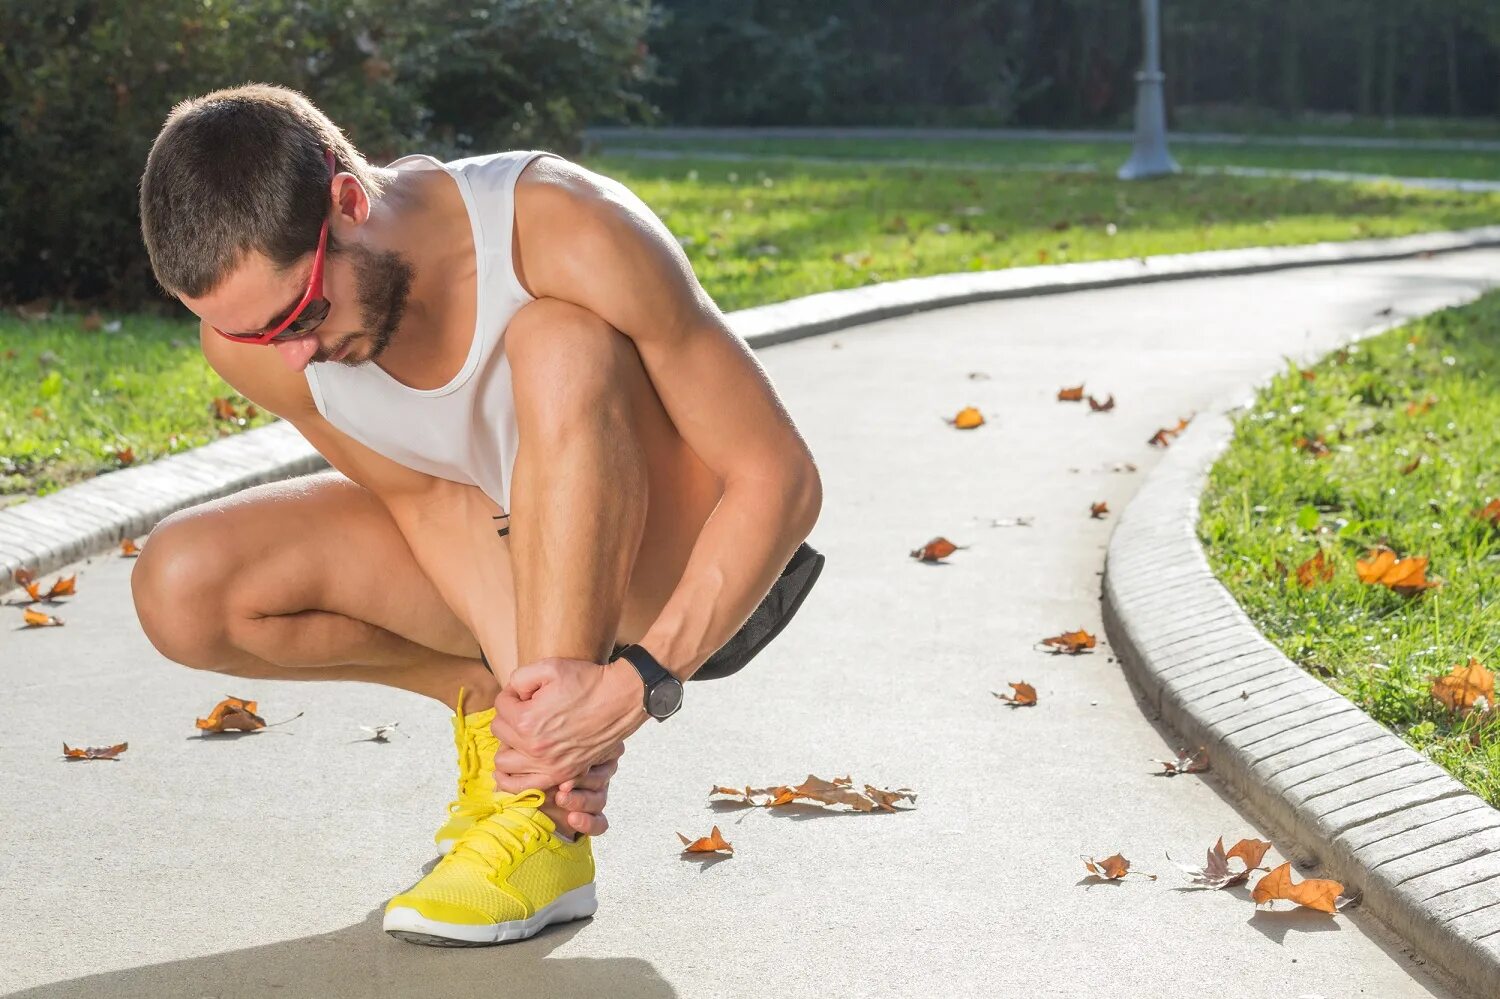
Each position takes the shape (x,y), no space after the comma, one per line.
(177,584)
(567,363)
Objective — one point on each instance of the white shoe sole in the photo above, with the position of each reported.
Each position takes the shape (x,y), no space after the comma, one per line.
(410,925)
(445,846)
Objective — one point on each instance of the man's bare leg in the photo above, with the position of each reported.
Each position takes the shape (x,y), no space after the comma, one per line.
(594,439)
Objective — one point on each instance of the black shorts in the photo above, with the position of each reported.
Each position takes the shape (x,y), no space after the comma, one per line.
(765,622)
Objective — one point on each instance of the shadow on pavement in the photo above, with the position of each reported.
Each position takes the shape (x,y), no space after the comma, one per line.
(362,961)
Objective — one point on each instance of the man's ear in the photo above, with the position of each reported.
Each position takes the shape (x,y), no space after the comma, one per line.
(351,197)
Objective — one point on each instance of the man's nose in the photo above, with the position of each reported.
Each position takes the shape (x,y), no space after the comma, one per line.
(297,353)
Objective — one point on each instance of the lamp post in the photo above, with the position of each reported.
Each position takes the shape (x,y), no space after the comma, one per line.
(1149,157)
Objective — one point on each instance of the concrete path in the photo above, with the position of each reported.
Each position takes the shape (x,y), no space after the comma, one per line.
(259,866)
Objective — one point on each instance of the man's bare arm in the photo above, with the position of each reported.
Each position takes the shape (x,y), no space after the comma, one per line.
(587,239)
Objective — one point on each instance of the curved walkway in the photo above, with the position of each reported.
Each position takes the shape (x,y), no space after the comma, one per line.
(259,865)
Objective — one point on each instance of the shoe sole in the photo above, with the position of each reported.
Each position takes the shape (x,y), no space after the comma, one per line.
(445,846)
(408,924)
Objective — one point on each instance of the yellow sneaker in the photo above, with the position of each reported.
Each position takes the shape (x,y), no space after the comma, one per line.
(477,747)
(506,877)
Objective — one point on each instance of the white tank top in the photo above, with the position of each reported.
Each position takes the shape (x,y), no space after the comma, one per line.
(466,430)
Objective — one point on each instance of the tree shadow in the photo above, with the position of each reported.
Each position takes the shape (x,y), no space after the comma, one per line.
(363,961)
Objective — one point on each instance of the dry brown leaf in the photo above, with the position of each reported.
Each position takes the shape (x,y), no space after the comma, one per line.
(1102,407)
(63,587)
(224,410)
(1314,893)
(128,548)
(1186,762)
(712,843)
(232,713)
(1164,436)
(1025,694)
(37,619)
(1314,571)
(1408,469)
(125,457)
(1098,510)
(1074,394)
(1404,575)
(94,752)
(1490,512)
(1467,687)
(1417,407)
(1072,642)
(937,548)
(1316,446)
(838,791)
(1112,868)
(967,419)
(1217,873)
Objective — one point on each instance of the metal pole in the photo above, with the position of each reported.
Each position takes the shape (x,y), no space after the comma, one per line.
(1149,157)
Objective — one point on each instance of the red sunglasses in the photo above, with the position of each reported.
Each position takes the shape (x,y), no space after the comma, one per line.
(308,313)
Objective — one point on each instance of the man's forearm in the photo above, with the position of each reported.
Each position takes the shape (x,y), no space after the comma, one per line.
(739,554)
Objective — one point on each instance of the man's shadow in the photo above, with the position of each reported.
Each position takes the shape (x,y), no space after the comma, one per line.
(363,962)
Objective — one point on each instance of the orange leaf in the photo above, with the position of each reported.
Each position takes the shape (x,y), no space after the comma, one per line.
(937,548)
(1216,872)
(1315,447)
(1465,686)
(967,419)
(712,843)
(62,587)
(1418,407)
(126,456)
(1102,407)
(1025,694)
(1098,510)
(1074,394)
(232,713)
(94,752)
(1314,571)
(1314,893)
(1251,851)
(1404,575)
(1490,512)
(1112,868)
(128,548)
(1072,642)
(36,619)
(224,410)
(1408,469)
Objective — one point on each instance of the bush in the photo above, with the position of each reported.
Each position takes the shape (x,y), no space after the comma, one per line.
(86,84)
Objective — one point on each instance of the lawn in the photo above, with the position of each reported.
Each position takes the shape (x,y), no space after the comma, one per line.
(72,399)
(1389,442)
(1104,156)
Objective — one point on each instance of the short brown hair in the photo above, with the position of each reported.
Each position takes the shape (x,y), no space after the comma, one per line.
(234,171)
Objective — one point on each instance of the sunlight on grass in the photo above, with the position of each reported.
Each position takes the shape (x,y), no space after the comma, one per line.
(1271,505)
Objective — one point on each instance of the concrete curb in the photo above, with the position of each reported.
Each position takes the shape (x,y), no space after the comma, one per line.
(1376,814)
(49,532)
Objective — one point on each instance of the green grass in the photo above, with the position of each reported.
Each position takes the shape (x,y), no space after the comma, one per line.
(1271,505)
(1105,156)
(755,233)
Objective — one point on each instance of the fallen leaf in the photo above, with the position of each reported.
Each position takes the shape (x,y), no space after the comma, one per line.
(1217,873)
(1071,642)
(712,843)
(1316,447)
(937,548)
(1102,407)
(128,548)
(1404,575)
(1098,510)
(381,733)
(1074,394)
(1417,407)
(1466,687)
(1490,512)
(1186,762)
(125,457)
(967,419)
(1408,469)
(1314,893)
(94,752)
(62,587)
(1112,868)
(1025,694)
(232,713)
(1314,571)
(224,410)
(1163,436)
(36,619)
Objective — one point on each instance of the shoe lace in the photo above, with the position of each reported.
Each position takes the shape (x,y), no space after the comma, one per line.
(470,771)
(505,833)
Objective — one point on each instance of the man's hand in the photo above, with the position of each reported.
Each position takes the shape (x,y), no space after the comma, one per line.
(557,718)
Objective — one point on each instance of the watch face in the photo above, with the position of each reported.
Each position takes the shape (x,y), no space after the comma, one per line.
(665,698)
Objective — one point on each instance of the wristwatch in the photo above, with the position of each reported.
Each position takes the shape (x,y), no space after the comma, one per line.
(663,690)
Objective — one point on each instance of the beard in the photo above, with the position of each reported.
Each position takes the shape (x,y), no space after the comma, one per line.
(383,281)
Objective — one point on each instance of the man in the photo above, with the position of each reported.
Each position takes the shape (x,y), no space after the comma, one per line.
(545,441)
